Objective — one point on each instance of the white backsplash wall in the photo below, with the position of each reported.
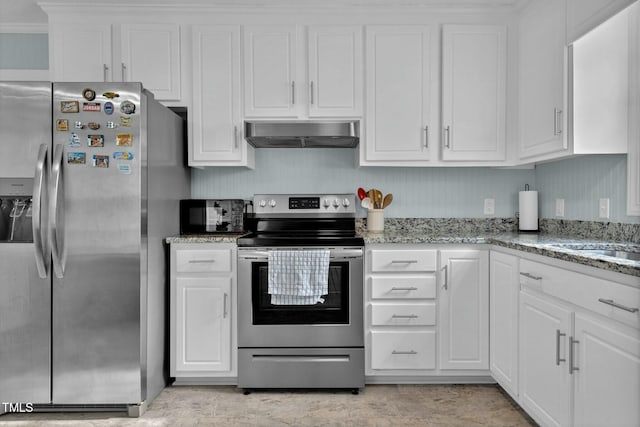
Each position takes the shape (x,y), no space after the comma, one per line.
(418,192)
(582,182)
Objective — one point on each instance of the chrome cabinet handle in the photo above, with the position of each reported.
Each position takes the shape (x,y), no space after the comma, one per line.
(404,316)
(202,261)
(224,306)
(124,72)
(408,261)
(412,288)
(105,69)
(572,366)
(235,137)
(558,336)
(446,278)
(311,96)
(426,137)
(56,213)
(41,244)
(404,352)
(616,305)
(531,276)
(447,137)
(293,93)
(557,120)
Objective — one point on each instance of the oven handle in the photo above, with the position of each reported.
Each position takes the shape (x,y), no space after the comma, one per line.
(335,254)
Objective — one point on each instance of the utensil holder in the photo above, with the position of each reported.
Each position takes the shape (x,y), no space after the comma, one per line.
(375,220)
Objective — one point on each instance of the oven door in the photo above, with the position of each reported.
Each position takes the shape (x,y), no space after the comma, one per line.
(336,322)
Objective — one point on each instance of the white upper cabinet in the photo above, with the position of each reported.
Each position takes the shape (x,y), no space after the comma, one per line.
(80,52)
(335,70)
(474,92)
(151,55)
(147,53)
(402,95)
(216,138)
(271,56)
(633,158)
(541,79)
(281,82)
(583,15)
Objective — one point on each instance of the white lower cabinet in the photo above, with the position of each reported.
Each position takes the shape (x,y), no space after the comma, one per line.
(579,344)
(545,382)
(464,309)
(202,310)
(400,302)
(503,314)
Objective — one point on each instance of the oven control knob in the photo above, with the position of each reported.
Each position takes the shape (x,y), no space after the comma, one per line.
(262,203)
(336,203)
(272,203)
(326,203)
(346,203)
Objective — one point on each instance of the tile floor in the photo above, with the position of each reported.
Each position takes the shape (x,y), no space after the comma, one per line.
(376,405)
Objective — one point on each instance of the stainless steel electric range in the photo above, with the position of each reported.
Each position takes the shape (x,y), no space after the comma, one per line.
(317,343)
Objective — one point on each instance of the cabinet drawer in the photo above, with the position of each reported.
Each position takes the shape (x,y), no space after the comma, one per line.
(209,260)
(591,293)
(419,314)
(403,260)
(403,350)
(403,287)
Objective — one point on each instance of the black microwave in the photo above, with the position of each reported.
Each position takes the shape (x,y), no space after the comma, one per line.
(201,216)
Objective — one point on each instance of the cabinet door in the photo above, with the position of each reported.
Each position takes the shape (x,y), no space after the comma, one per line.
(151,55)
(464,309)
(216,116)
(584,15)
(271,71)
(474,92)
(402,101)
(633,158)
(545,382)
(541,78)
(503,326)
(335,70)
(81,52)
(607,382)
(203,325)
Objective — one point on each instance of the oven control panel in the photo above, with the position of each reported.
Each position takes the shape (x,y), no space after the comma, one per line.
(319,204)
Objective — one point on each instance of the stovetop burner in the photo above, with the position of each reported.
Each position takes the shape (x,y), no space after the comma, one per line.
(326,220)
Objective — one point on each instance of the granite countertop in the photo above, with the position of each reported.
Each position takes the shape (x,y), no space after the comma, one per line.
(553,246)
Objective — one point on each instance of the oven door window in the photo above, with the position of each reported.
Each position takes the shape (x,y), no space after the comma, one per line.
(334,309)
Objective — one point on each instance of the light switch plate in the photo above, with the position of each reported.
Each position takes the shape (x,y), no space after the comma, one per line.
(489,206)
(603,209)
(560,208)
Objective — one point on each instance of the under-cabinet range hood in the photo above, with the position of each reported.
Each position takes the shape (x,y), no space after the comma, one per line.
(302,134)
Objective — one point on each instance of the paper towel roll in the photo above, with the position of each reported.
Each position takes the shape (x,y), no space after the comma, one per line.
(528,205)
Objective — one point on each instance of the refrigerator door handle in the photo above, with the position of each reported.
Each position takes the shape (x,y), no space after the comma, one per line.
(56,212)
(40,240)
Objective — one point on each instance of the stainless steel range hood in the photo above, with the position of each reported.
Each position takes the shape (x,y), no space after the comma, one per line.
(302,133)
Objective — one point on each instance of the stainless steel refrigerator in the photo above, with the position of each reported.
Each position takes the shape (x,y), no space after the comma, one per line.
(91,175)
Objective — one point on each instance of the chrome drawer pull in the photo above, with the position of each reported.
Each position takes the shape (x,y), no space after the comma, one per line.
(531,276)
(404,352)
(558,335)
(202,261)
(404,289)
(616,305)
(404,316)
(409,261)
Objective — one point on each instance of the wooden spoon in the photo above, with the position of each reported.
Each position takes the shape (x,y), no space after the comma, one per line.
(379,199)
(387,200)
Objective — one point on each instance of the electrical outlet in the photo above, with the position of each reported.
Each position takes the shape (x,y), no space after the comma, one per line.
(560,208)
(489,206)
(603,209)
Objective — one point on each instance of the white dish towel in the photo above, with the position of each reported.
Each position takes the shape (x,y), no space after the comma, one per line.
(298,277)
